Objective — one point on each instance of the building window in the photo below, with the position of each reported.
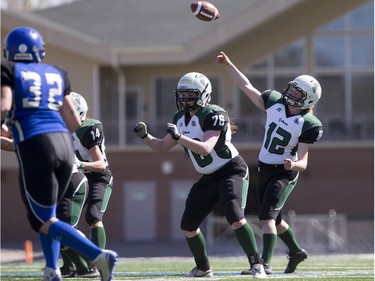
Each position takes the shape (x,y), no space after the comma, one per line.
(119,111)
(329,51)
(343,62)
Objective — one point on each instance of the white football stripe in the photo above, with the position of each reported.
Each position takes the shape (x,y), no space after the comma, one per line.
(198,8)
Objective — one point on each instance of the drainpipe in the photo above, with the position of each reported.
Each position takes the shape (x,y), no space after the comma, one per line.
(121,101)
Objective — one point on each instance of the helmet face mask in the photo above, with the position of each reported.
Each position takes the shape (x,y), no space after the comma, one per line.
(193,82)
(291,95)
(24,44)
(80,104)
(187,100)
(308,88)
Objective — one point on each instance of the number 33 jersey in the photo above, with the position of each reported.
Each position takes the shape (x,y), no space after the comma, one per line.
(38,94)
(211,117)
(283,132)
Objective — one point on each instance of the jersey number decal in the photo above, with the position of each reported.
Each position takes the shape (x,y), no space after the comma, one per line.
(202,161)
(95,133)
(218,120)
(53,80)
(276,144)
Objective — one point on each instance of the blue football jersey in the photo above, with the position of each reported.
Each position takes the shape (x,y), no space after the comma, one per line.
(38,93)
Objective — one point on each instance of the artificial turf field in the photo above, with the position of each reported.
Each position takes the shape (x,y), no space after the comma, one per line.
(327,267)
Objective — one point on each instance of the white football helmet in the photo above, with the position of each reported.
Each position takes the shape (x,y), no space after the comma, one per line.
(80,105)
(197,83)
(309,87)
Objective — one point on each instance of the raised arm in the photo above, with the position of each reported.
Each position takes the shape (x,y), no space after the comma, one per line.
(241,80)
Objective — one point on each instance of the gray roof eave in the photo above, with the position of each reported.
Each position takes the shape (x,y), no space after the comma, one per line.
(220,34)
(204,43)
(59,36)
(80,43)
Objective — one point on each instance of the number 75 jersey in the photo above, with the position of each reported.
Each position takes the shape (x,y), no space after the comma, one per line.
(211,117)
(283,132)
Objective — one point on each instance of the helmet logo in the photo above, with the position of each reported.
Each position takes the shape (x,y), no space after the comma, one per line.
(22,48)
(315,86)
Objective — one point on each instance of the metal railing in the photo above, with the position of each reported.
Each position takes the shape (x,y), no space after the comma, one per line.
(251,130)
(322,233)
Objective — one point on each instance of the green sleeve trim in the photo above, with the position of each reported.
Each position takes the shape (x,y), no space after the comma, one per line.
(272,97)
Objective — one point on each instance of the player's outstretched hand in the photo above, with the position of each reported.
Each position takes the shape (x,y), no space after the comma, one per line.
(140,130)
(222,58)
(173,131)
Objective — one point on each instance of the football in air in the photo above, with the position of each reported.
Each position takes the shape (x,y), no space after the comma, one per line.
(205,11)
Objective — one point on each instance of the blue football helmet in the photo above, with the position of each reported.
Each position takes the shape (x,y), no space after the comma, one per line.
(24,44)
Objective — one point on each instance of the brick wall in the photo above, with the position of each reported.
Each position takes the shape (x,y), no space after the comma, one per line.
(341,179)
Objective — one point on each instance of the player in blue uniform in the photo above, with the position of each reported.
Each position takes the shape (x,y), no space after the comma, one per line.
(204,131)
(35,97)
(289,130)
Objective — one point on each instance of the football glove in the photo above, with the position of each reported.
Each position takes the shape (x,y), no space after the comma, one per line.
(173,131)
(140,130)
(79,164)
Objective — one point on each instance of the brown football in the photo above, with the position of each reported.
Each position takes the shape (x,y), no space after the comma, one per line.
(205,11)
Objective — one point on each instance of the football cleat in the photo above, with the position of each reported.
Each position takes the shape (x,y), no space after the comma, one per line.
(257,271)
(90,273)
(195,272)
(67,272)
(267,269)
(105,263)
(294,260)
(50,274)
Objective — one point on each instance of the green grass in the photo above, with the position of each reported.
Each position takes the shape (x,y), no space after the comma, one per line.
(328,267)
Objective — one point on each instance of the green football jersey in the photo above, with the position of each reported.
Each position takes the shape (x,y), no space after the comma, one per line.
(87,136)
(283,131)
(211,117)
